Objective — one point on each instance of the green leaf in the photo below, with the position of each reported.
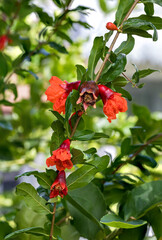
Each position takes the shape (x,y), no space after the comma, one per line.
(140,24)
(37,231)
(86,174)
(125,146)
(69,232)
(124,93)
(87,135)
(45,179)
(31,197)
(149,9)
(126,46)
(58,135)
(154,218)
(5,229)
(138,32)
(142,199)
(143,73)
(44,17)
(26,44)
(119,82)
(68,107)
(77,156)
(87,204)
(149,161)
(159,2)
(134,233)
(122,10)
(95,55)
(156,21)
(64,36)
(58,116)
(113,220)
(4,66)
(80,71)
(114,70)
(58,47)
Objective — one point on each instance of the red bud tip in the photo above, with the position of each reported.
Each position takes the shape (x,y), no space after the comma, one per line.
(111,26)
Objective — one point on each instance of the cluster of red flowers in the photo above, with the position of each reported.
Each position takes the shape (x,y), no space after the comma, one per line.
(57,93)
(4,40)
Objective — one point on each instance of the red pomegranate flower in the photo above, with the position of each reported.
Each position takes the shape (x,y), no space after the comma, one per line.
(58,92)
(59,186)
(88,94)
(61,157)
(113,102)
(4,40)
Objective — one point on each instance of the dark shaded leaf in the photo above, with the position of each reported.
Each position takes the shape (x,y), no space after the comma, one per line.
(149,9)
(95,55)
(113,220)
(126,46)
(4,65)
(58,47)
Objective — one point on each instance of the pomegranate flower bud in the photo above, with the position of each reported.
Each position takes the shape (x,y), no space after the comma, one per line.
(111,26)
(58,92)
(59,186)
(61,157)
(88,94)
(113,102)
(4,40)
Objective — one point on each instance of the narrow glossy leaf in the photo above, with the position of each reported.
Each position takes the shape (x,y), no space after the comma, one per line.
(4,66)
(87,204)
(140,24)
(159,2)
(138,32)
(149,161)
(58,3)
(157,21)
(136,74)
(115,69)
(122,10)
(124,93)
(113,220)
(80,71)
(95,55)
(126,46)
(31,197)
(125,146)
(134,233)
(37,231)
(142,198)
(45,179)
(149,9)
(154,218)
(44,17)
(144,73)
(58,135)
(86,135)
(26,44)
(119,82)
(58,47)
(68,107)
(86,174)
(77,156)
(64,36)
(58,116)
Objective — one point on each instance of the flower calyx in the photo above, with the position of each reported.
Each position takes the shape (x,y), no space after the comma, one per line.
(59,186)
(61,157)
(89,92)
